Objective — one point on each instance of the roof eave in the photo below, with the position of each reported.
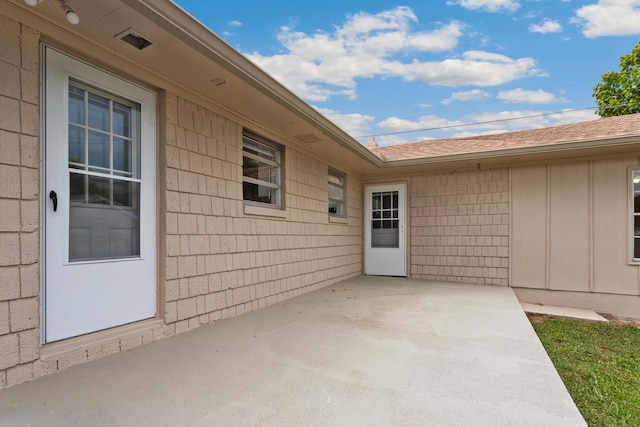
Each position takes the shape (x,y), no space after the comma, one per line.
(539,152)
(185,27)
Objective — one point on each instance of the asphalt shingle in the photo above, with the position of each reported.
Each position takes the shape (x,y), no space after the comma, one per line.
(584,131)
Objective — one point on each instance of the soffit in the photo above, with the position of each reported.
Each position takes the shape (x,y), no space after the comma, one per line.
(188,55)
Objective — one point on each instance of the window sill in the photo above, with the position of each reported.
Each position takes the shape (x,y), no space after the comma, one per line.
(261,211)
(338,219)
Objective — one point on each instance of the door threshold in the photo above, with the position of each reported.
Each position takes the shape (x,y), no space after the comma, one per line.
(55,349)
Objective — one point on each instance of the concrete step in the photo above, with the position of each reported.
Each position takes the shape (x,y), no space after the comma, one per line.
(564,312)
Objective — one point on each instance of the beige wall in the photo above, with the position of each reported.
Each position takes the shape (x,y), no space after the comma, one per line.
(460,227)
(571,227)
(216,260)
(221,261)
(19,200)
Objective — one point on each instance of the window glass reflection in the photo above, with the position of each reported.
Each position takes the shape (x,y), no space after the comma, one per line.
(104,155)
(99,112)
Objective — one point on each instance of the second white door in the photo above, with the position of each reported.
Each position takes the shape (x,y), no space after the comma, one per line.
(385,230)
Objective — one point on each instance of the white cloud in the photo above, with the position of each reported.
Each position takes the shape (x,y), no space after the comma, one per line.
(488,5)
(386,140)
(546,26)
(475,68)
(321,65)
(235,23)
(522,96)
(395,124)
(609,18)
(469,95)
(353,123)
(573,116)
(482,123)
(509,121)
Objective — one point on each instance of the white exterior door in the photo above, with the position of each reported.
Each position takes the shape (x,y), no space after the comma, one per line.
(385,230)
(99,212)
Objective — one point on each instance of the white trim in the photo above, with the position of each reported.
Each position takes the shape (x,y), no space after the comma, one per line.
(67,286)
(342,186)
(274,212)
(270,149)
(631,234)
(260,182)
(386,261)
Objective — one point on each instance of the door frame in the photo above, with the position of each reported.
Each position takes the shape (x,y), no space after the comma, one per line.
(148,192)
(383,253)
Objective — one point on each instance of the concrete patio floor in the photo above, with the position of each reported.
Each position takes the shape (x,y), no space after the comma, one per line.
(369,351)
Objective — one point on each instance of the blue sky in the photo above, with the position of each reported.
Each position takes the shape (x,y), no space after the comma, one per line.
(418,70)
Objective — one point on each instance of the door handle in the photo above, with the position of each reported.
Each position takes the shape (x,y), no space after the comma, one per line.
(53,196)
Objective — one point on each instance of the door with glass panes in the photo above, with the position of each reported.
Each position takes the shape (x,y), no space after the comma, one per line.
(99,194)
(385,225)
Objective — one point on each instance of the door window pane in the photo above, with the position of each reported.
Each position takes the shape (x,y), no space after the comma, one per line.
(636,214)
(99,149)
(99,112)
(121,119)
(122,155)
(77,188)
(99,191)
(76,105)
(94,144)
(104,171)
(385,232)
(124,192)
(76,145)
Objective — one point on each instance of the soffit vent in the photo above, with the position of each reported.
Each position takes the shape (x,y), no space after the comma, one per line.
(307,138)
(135,39)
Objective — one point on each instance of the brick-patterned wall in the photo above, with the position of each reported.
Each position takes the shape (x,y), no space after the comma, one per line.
(221,262)
(19,201)
(460,227)
(217,261)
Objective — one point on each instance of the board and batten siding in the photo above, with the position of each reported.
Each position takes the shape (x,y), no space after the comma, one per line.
(571,227)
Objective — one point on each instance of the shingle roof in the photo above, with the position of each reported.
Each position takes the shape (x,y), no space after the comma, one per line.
(584,131)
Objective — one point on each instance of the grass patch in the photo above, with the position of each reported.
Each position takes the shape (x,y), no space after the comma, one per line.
(600,366)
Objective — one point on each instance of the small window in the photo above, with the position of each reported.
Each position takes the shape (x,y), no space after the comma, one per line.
(636,215)
(336,194)
(261,171)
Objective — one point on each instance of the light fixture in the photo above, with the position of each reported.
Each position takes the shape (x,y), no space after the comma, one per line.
(70,14)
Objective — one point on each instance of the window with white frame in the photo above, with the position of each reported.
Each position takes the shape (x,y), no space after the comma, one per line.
(336,194)
(104,148)
(636,214)
(261,171)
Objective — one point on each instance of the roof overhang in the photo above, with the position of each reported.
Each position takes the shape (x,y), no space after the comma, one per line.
(187,57)
(514,156)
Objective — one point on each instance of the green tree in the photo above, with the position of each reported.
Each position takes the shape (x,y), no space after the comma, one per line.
(619,91)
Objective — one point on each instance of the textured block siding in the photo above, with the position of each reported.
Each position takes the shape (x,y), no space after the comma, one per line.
(460,227)
(221,262)
(19,201)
